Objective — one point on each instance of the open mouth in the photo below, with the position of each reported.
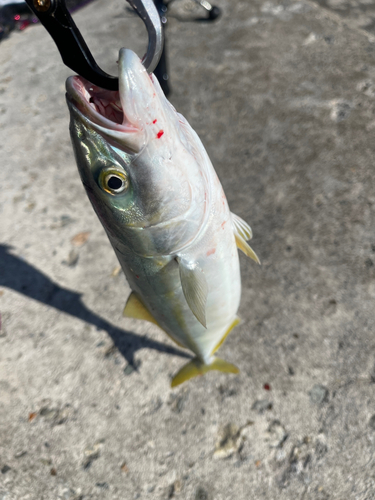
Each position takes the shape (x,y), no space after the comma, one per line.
(100,106)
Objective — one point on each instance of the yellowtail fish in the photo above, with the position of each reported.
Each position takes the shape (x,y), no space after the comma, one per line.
(156,193)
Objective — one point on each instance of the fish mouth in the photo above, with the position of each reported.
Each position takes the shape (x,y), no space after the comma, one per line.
(102,107)
(119,116)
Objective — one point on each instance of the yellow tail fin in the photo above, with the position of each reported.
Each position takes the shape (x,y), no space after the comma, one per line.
(195,367)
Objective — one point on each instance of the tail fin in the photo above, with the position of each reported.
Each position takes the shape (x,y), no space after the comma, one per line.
(196,367)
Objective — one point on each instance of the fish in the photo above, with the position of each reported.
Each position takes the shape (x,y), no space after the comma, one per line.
(160,201)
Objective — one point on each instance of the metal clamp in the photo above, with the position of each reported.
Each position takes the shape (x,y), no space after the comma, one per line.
(74,51)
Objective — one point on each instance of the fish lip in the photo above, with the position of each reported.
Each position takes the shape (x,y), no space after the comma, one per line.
(80,91)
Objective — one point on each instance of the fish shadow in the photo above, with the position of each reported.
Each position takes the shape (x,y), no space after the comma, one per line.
(18,275)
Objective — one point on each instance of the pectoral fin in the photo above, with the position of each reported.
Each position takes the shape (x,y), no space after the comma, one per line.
(134,308)
(246,249)
(196,367)
(194,286)
(234,323)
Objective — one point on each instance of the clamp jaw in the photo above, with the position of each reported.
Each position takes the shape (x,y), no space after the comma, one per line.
(74,51)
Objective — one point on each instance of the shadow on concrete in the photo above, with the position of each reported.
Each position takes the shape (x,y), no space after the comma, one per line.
(20,276)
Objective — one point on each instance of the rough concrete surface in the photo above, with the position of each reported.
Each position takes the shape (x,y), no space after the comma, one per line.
(283,96)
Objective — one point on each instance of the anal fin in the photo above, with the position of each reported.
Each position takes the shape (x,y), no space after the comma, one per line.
(134,308)
(196,367)
(234,323)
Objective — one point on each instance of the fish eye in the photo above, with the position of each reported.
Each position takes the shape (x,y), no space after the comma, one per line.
(113,181)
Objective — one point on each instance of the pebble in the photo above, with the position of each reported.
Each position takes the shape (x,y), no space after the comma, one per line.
(116,271)
(130,368)
(104,485)
(229,441)
(63,221)
(201,494)
(372,422)
(261,405)
(46,461)
(2,329)
(72,259)
(318,394)
(177,401)
(369,263)
(80,239)
(91,454)
(110,351)
(170,491)
(32,416)
(276,434)
(55,415)
(226,391)
(124,467)
(5,469)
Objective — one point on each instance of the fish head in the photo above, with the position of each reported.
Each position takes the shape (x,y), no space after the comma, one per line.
(142,165)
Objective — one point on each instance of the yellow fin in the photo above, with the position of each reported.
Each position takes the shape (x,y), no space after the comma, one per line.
(241,227)
(234,323)
(134,308)
(247,250)
(196,367)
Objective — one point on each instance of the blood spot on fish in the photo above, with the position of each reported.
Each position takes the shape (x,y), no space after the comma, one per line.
(137,276)
(223,224)
(159,134)
(154,121)
(210,252)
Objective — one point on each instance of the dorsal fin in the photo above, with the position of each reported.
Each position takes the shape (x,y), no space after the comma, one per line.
(246,249)
(194,286)
(241,227)
(242,233)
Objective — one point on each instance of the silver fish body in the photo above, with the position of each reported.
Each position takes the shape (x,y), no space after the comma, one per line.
(160,201)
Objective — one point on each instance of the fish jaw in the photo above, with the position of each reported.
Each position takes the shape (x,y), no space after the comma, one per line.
(101,109)
(142,99)
(131,117)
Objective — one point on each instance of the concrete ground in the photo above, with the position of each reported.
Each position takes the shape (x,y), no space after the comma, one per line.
(283,97)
